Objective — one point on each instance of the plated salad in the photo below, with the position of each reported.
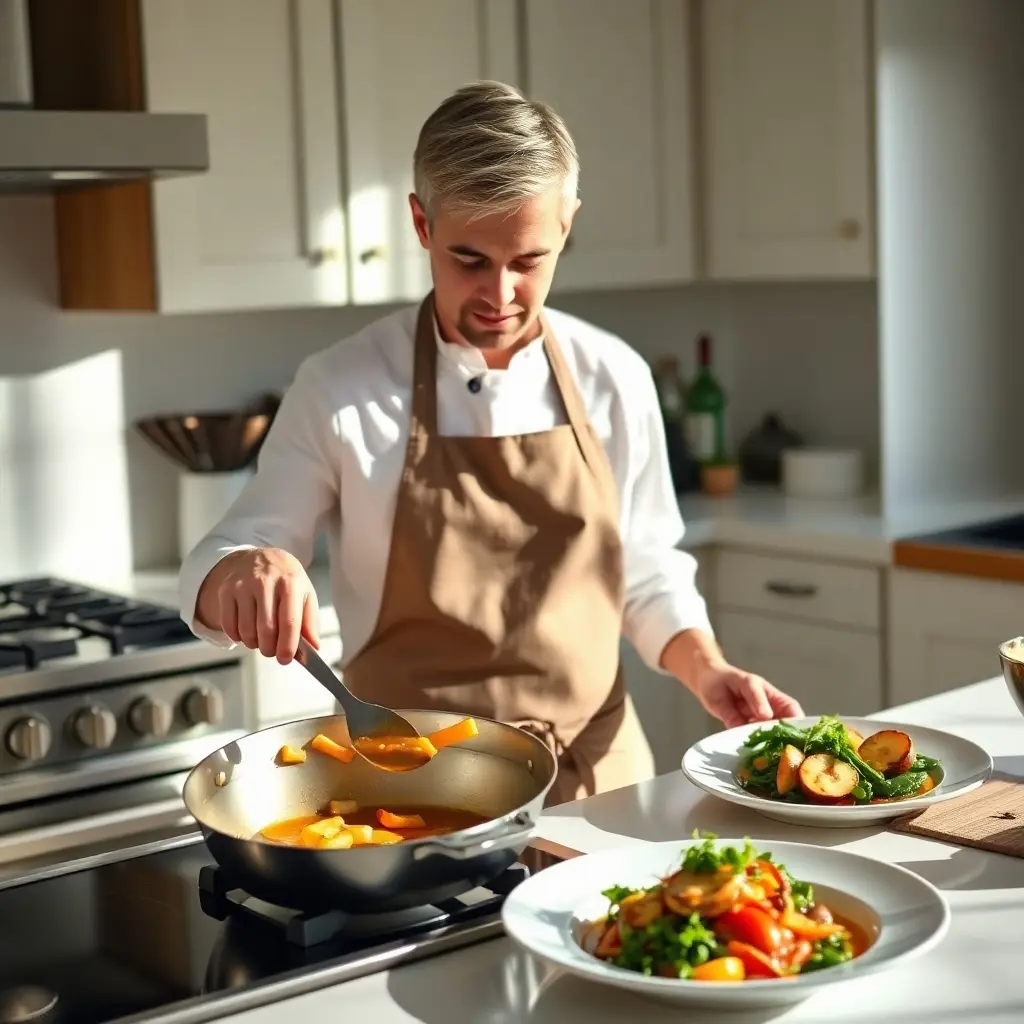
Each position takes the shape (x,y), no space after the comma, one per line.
(831,763)
(727,914)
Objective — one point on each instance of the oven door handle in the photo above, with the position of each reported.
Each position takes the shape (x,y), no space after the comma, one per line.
(104,833)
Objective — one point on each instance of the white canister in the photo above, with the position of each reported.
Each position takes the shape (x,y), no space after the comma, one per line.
(822,472)
(203,500)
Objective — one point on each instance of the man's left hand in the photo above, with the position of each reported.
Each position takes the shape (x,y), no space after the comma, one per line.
(738,698)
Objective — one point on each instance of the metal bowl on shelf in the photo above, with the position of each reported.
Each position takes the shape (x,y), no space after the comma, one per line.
(1011,656)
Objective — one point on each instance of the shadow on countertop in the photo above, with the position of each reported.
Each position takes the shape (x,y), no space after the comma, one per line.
(677,816)
(971,869)
(509,986)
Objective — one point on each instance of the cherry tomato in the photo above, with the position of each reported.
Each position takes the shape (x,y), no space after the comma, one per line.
(722,968)
(755,963)
(751,925)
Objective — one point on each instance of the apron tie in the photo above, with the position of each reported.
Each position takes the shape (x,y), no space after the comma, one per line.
(565,758)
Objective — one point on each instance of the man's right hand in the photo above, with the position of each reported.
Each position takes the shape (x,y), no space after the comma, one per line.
(262,598)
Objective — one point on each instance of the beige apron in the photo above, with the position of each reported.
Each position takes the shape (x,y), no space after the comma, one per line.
(503,593)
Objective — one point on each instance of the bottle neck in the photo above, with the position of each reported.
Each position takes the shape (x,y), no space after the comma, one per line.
(704,352)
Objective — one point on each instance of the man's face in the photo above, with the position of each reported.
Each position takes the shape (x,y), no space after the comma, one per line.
(492,274)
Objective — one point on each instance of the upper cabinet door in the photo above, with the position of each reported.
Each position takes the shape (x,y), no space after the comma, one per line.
(399,61)
(787,153)
(264,227)
(618,74)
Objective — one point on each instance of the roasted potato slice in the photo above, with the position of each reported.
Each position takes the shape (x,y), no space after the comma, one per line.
(890,751)
(826,779)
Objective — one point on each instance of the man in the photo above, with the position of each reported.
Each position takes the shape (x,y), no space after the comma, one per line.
(492,478)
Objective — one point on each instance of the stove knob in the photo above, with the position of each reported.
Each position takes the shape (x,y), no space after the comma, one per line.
(28,739)
(95,727)
(150,717)
(204,705)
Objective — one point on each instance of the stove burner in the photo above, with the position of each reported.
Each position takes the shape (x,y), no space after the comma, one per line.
(136,627)
(25,1003)
(32,643)
(220,899)
(44,618)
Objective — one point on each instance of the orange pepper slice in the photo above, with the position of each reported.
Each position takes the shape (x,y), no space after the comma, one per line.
(327,746)
(457,733)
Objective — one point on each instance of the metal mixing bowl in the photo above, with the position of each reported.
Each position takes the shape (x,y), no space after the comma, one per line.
(1011,656)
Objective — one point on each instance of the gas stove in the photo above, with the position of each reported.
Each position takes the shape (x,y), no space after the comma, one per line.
(100,689)
(157,932)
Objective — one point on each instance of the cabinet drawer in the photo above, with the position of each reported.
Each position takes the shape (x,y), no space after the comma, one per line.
(845,595)
(829,670)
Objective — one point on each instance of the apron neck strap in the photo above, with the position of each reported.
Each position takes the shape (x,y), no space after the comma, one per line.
(424,382)
(572,400)
(424,373)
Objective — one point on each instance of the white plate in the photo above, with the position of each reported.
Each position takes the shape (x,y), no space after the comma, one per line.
(711,765)
(910,916)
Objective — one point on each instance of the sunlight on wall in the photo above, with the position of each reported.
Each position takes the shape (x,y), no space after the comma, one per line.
(371,255)
(332,286)
(64,505)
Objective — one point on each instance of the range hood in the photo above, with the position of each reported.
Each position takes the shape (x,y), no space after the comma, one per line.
(48,150)
(46,144)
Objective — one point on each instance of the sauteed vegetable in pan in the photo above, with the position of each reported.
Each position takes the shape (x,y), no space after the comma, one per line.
(295,818)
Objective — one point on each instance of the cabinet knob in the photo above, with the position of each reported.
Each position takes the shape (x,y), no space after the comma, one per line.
(849,228)
(325,254)
(95,727)
(376,252)
(28,739)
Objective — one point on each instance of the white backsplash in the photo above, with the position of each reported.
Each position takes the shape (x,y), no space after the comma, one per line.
(806,350)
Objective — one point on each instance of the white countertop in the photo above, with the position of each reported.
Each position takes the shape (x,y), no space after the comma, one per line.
(975,975)
(853,529)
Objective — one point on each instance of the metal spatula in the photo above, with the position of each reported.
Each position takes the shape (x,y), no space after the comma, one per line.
(367,723)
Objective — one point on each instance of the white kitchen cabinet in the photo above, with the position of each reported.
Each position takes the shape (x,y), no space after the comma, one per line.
(399,60)
(787,153)
(618,74)
(828,669)
(265,226)
(671,717)
(945,630)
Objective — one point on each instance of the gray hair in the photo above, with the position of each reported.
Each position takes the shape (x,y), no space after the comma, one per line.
(488,149)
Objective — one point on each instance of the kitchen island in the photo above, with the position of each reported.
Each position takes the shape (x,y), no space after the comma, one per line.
(975,975)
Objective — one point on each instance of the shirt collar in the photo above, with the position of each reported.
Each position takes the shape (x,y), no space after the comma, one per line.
(469,360)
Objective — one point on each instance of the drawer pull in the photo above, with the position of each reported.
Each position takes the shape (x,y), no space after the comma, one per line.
(791,589)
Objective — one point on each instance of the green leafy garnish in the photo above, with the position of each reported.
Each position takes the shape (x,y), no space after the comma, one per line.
(707,858)
(762,751)
(677,943)
(828,952)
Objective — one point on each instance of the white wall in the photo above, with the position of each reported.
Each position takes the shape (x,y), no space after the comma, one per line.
(951,247)
(806,350)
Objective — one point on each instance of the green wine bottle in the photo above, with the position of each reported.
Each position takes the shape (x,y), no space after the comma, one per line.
(705,410)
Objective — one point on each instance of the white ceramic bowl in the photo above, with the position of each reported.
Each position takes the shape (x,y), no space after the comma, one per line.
(907,915)
(822,472)
(711,764)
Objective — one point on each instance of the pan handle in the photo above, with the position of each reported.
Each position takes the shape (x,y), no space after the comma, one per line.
(508,832)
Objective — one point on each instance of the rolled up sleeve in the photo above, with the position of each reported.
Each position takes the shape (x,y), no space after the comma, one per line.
(662,598)
(285,502)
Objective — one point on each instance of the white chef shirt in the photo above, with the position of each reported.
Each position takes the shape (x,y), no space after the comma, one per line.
(334,455)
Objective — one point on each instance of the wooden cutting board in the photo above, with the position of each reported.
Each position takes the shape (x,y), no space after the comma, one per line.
(989,818)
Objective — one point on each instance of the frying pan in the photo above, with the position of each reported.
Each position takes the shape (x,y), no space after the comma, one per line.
(502,774)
